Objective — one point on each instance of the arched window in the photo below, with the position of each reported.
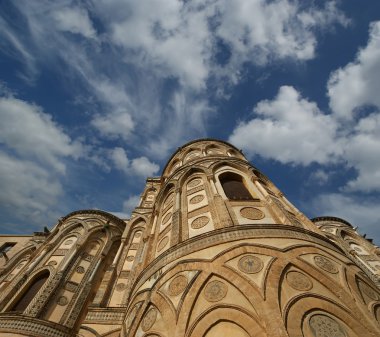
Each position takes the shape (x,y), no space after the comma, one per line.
(234,187)
(31,292)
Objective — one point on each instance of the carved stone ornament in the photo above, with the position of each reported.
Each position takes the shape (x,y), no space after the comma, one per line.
(325,264)
(120,286)
(323,326)
(149,319)
(68,242)
(215,291)
(62,300)
(194,183)
(252,213)
(298,281)
(200,222)
(177,285)
(130,258)
(197,199)
(372,294)
(250,264)
(161,245)
(169,199)
(167,217)
(138,234)
(80,270)
(52,263)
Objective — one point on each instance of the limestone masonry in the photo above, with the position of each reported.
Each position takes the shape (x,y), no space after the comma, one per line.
(213,249)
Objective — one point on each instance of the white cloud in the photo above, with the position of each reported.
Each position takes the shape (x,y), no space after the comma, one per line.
(363,153)
(254,31)
(74,20)
(320,176)
(358,83)
(141,166)
(34,155)
(130,204)
(32,134)
(289,129)
(114,125)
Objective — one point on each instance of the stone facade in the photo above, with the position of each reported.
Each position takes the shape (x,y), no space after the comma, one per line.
(213,249)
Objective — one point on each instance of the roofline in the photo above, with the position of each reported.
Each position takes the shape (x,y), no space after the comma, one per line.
(331,218)
(196,141)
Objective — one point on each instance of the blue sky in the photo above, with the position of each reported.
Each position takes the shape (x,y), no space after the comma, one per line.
(96,95)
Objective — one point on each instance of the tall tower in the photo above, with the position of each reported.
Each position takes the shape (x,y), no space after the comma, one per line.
(213,249)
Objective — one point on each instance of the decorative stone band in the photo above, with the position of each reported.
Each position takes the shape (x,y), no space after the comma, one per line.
(32,327)
(230,234)
(104,315)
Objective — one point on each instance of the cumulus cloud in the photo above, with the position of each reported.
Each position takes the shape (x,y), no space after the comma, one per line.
(33,156)
(290,129)
(141,166)
(32,134)
(358,83)
(74,20)
(130,204)
(253,31)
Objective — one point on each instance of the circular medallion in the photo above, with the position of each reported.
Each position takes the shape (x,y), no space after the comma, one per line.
(194,183)
(298,281)
(68,242)
(120,286)
(252,213)
(369,291)
(130,258)
(325,264)
(80,270)
(178,285)
(169,199)
(161,245)
(167,217)
(197,199)
(323,326)
(149,319)
(200,222)
(52,263)
(62,300)
(215,291)
(250,264)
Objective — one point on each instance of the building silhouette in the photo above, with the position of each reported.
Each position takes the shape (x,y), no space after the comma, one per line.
(213,249)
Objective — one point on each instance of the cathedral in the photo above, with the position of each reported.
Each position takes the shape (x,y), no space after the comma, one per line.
(213,249)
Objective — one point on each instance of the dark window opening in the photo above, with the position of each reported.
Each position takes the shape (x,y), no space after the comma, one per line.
(6,247)
(234,187)
(31,292)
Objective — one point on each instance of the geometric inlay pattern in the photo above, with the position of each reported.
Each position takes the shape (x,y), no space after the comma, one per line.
(215,291)
(252,213)
(298,281)
(194,182)
(149,319)
(120,286)
(177,285)
(167,217)
(325,264)
(200,222)
(368,291)
(250,264)
(62,300)
(196,199)
(161,245)
(325,326)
